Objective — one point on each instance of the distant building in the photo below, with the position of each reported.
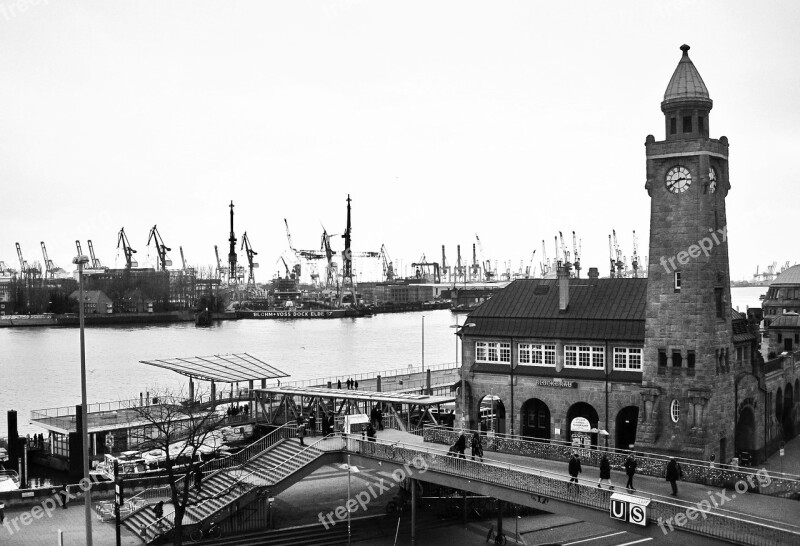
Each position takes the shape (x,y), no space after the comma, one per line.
(783,296)
(94,302)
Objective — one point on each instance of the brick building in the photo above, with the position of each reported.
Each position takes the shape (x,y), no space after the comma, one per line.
(662,363)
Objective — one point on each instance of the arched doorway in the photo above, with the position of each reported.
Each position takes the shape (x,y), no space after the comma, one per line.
(577,416)
(787,419)
(627,419)
(492,412)
(536,419)
(746,432)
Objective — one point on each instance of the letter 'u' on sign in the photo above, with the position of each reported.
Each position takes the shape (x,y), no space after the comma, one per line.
(619,509)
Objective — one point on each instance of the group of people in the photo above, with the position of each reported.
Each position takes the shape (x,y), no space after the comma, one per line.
(458,448)
(236,410)
(351,384)
(673,472)
(36,441)
(327,426)
(376,418)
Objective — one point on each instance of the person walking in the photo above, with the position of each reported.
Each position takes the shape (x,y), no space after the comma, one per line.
(158,510)
(673,474)
(477,446)
(339,384)
(198,478)
(460,446)
(301,430)
(605,473)
(574,467)
(312,425)
(355,385)
(331,424)
(630,470)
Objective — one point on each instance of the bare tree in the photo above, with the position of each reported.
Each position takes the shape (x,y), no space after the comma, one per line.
(177,426)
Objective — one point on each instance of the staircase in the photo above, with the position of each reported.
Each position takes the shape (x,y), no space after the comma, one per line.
(226,490)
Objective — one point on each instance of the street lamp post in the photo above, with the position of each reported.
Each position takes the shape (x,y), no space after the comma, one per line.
(349,469)
(459,329)
(80,261)
(424,383)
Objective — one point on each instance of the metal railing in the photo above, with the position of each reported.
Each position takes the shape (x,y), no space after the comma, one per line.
(411,369)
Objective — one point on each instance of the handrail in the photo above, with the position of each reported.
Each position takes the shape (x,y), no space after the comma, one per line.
(610,450)
(411,369)
(541,472)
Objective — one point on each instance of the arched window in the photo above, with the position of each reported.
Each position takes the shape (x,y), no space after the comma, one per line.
(675,411)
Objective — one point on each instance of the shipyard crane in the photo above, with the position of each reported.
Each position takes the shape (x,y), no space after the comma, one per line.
(617,265)
(544,265)
(445,267)
(531,269)
(565,253)
(23,264)
(95,262)
(461,269)
(635,256)
(49,266)
(388,266)
(475,269)
(288,271)
(288,235)
(332,276)
(424,267)
(576,258)
(161,248)
(122,239)
(221,271)
(250,253)
(488,273)
(183,259)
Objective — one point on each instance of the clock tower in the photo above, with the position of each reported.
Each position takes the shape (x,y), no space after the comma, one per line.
(687,396)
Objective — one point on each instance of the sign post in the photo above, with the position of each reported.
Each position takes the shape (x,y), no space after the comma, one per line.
(117,501)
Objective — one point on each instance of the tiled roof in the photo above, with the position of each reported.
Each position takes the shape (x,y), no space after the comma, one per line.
(790,276)
(598,309)
(686,82)
(786,321)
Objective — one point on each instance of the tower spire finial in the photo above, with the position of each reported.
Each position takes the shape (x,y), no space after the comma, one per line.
(685,48)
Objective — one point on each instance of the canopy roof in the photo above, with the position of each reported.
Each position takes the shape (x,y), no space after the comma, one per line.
(220,368)
(373,396)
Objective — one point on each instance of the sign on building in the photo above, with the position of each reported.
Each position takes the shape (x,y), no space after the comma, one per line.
(629,508)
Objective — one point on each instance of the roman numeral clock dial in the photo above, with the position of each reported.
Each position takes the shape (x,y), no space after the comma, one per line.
(678,179)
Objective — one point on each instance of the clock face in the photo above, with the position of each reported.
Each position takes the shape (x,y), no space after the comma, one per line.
(678,179)
(712,180)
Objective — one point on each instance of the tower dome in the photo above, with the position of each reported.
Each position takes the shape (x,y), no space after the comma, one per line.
(686,83)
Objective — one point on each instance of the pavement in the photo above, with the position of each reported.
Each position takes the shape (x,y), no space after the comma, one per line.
(326,489)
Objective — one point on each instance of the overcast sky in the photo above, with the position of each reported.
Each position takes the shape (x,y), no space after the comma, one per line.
(512,120)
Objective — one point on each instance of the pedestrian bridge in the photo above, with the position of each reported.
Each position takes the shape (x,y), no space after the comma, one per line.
(261,469)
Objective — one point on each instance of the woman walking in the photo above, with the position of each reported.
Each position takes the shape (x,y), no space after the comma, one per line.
(477,447)
(605,473)
(673,474)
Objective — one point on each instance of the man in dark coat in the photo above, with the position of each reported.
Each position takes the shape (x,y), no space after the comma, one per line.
(574,468)
(198,478)
(460,446)
(673,474)
(630,470)
(477,446)
(339,384)
(312,425)
(605,473)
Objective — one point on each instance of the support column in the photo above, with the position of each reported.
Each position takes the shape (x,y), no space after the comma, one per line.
(464,503)
(213,394)
(191,388)
(413,484)
(499,517)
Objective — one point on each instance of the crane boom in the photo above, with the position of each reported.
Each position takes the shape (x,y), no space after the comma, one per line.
(95,262)
(49,266)
(161,248)
(250,253)
(78,246)
(122,239)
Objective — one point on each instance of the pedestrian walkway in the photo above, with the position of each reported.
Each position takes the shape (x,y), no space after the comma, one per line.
(783,512)
(789,463)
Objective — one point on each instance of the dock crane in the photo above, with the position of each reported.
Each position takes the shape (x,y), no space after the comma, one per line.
(183,259)
(78,246)
(461,270)
(531,268)
(388,266)
(475,269)
(576,259)
(122,239)
(332,277)
(95,262)
(544,265)
(635,256)
(424,267)
(615,256)
(250,253)
(6,270)
(445,267)
(488,273)
(565,253)
(49,266)
(221,271)
(161,248)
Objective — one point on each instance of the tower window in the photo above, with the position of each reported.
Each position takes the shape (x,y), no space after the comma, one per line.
(677,359)
(701,125)
(718,302)
(675,411)
(677,281)
(687,124)
(690,357)
(662,362)
(673,126)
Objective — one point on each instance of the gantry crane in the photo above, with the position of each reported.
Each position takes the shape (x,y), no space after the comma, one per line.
(445,267)
(161,249)
(332,276)
(475,269)
(615,256)
(122,240)
(251,264)
(388,266)
(221,271)
(635,257)
(49,266)
(425,267)
(488,273)
(531,269)
(95,262)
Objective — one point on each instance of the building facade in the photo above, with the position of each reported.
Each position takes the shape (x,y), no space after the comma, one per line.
(661,364)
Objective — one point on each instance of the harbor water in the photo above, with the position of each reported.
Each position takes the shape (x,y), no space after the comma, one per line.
(41,366)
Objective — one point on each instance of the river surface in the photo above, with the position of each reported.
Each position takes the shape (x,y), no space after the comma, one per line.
(40,367)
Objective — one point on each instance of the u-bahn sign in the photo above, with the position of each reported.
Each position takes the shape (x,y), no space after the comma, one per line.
(629,508)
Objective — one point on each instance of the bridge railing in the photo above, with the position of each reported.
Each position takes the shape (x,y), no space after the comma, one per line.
(648,464)
(411,369)
(543,485)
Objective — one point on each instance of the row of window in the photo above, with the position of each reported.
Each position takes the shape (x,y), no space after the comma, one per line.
(575,356)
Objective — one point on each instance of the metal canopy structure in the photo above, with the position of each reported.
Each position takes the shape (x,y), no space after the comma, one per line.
(220,368)
(283,404)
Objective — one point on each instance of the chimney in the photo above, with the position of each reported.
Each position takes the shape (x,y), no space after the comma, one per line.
(563,289)
(594,273)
